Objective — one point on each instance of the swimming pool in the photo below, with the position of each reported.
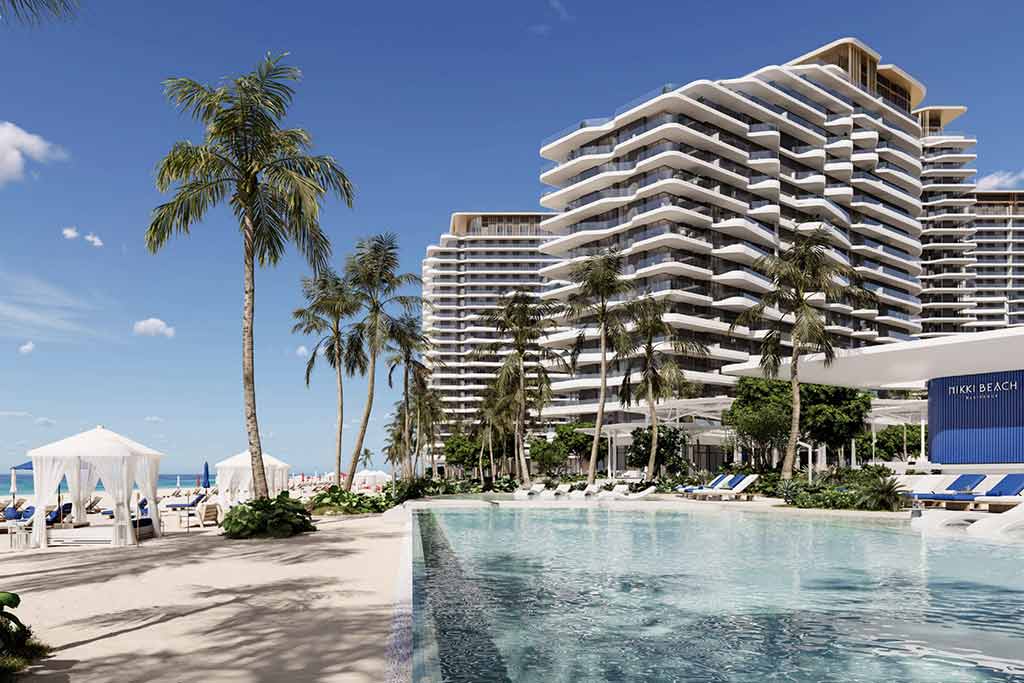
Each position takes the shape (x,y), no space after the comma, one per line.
(593,594)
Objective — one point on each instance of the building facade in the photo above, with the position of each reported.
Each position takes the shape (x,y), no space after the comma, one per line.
(997,288)
(947,221)
(481,259)
(694,183)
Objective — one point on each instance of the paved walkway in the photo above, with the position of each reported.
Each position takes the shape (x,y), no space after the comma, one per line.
(317,607)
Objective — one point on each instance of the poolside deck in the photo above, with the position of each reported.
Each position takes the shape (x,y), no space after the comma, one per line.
(317,607)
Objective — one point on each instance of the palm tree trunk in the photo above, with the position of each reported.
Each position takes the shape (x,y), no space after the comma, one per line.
(592,471)
(419,439)
(367,409)
(406,437)
(341,417)
(259,475)
(652,461)
(525,470)
(794,425)
(480,460)
(490,449)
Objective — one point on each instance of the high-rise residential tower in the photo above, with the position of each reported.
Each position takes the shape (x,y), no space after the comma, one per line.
(483,258)
(997,290)
(947,222)
(694,183)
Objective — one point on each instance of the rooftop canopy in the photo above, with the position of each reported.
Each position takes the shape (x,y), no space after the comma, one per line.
(905,365)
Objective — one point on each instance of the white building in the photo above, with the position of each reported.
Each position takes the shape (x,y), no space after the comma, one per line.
(947,255)
(998,286)
(694,183)
(481,259)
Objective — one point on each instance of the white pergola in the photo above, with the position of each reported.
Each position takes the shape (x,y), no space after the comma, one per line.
(890,412)
(86,458)
(234,477)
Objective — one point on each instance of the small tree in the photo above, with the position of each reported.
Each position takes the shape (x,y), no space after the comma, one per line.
(461,451)
(575,443)
(671,454)
(548,457)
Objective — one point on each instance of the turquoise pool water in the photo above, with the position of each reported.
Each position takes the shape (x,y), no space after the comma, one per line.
(610,595)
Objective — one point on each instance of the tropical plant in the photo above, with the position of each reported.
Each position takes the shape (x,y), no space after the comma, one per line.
(549,457)
(337,500)
(522,377)
(267,176)
(278,517)
(365,458)
(881,492)
(599,283)
(329,301)
(37,11)
(660,375)
(372,272)
(671,453)
(804,277)
(14,635)
(495,416)
(429,410)
(409,343)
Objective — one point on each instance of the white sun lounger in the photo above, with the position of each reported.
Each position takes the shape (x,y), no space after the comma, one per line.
(560,491)
(617,490)
(590,491)
(734,493)
(639,494)
(534,490)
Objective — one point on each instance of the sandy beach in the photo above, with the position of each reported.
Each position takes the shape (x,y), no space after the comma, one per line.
(318,607)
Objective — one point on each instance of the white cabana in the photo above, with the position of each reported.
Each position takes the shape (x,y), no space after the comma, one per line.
(95,455)
(370,479)
(234,477)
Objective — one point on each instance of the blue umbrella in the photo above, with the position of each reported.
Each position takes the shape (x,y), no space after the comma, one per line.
(206,475)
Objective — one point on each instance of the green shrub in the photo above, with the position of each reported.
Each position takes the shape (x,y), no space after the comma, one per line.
(278,517)
(504,484)
(882,492)
(337,499)
(17,647)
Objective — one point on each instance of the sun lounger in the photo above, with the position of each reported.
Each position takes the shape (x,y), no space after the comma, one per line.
(560,491)
(737,492)
(11,512)
(1004,495)
(184,506)
(534,490)
(94,505)
(591,491)
(960,490)
(58,515)
(729,483)
(615,492)
(639,494)
(714,483)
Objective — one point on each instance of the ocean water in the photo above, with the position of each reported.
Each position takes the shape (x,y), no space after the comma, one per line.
(603,595)
(25,487)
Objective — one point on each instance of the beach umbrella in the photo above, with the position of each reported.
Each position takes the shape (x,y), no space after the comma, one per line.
(14,485)
(179,481)
(206,475)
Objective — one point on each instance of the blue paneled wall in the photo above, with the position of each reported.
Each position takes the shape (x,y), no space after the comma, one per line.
(976,419)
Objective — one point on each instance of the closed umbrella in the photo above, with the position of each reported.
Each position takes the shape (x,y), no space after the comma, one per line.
(206,475)
(14,485)
(179,481)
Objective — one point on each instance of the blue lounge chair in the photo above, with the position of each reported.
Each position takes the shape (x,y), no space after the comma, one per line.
(58,515)
(1005,492)
(961,489)
(712,484)
(728,486)
(187,506)
(11,513)
(27,513)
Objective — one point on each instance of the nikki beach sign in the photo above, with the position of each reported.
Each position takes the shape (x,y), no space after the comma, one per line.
(982,389)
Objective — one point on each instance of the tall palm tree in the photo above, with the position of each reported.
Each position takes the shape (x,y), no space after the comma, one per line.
(409,343)
(805,278)
(522,375)
(329,302)
(372,273)
(429,416)
(494,416)
(595,301)
(660,375)
(265,173)
(366,457)
(36,11)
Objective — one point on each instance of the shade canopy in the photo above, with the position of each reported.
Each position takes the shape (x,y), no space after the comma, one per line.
(86,458)
(234,477)
(370,479)
(904,365)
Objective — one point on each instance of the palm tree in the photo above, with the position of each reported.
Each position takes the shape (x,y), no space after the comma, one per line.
(267,176)
(329,302)
(366,457)
(372,273)
(35,11)
(409,343)
(600,284)
(494,416)
(429,416)
(522,377)
(805,277)
(660,376)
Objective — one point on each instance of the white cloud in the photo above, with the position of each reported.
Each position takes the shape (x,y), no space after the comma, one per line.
(1001,180)
(70,233)
(14,413)
(31,308)
(153,418)
(27,348)
(302,352)
(152,327)
(94,240)
(45,422)
(17,145)
(560,10)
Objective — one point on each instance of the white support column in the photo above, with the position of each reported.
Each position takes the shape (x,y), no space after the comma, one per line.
(853,453)
(737,456)
(775,458)
(874,440)
(923,445)
(611,456)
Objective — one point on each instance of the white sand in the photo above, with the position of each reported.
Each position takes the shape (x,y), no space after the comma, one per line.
(317,607)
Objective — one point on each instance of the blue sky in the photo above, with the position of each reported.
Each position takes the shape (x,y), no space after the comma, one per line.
(430,107)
